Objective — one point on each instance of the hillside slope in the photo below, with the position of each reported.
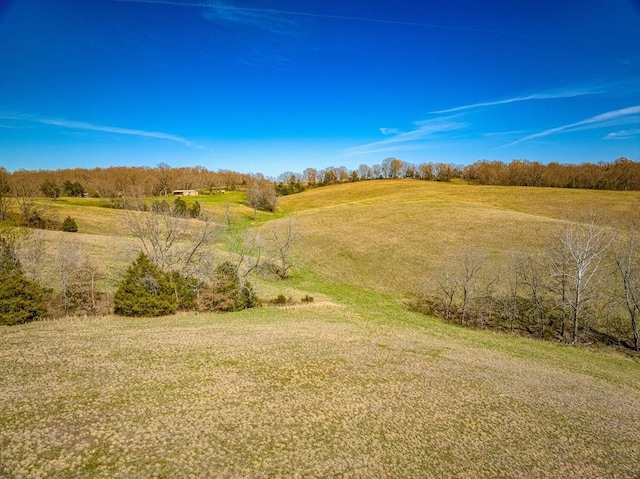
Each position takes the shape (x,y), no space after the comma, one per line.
(351,385)
(390,235)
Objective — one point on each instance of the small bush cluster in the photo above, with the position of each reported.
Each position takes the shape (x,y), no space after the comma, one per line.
(227,291)
(145,290)
(21,300)
(282,300)
(69,225)
(35,219)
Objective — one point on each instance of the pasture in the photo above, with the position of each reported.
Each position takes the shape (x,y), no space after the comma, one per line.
(359,388)
(351,385)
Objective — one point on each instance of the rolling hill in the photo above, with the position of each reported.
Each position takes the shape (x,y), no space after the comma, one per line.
(351,385)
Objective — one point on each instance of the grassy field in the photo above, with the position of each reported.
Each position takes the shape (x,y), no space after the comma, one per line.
(347,390)
(390,236)
(351,385)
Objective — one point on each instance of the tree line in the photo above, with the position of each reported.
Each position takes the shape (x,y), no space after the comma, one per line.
(118,181)
(622,174)
(139,182)
(584,289)
(19,190)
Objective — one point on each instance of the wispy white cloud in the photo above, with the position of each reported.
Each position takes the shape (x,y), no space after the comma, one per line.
(622,116)
(217,11)
(623,134)
(244,14)
(267,19)
(569,93)
(397,140)
(79,125)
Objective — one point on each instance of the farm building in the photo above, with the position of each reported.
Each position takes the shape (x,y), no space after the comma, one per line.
(185,193)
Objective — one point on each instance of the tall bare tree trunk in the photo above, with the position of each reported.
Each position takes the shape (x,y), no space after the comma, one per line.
(628,263)
(582,246)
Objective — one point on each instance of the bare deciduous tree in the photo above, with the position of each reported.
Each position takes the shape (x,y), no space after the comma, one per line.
(577,260)
(280,243)
(247,250)
(261,195)
(5,190)
(472,266)
(76,278)
(171,242)
(455,288)
(68,260)
(25,197)
(227,215)
(448,283)
(628,264)
(531,278)
(32,254)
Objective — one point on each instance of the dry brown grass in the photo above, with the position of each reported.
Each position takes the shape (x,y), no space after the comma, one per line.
(321,392)
(350,386)
(390,236)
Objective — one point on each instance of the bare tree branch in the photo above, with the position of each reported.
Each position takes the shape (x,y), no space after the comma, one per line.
(581,249)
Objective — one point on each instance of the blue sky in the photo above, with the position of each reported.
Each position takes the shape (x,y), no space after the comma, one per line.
(269,86)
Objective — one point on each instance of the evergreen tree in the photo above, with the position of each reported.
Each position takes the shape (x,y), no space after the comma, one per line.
(21,300)
(50,189)
(194,211)
(145,290)
(69,225)
(73,189)
(179,207)
(227,292)
(185,289)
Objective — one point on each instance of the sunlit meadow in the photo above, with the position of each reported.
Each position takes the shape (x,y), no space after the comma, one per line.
(322,391)
(351,385)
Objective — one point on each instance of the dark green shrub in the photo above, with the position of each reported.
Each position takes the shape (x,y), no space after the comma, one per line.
(179,207)
(307,299)
(160,206)
(194,211)
(227,292)
(145,290)
(21,300)
(69,225)
(279,300)
(185,290)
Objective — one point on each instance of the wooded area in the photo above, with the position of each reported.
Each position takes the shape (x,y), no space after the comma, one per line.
(622,174)
(139,182)
(584,288)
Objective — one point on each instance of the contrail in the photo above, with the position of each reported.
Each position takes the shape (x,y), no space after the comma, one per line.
(535,96)
(321,15)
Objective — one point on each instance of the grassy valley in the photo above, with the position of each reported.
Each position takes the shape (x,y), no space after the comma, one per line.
(350,385)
